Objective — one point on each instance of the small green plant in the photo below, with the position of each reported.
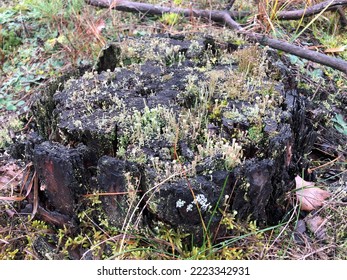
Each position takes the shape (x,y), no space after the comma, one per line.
(255,133)
(53,10)
(340,125)
(170,18)
(9,40)
(14,124)
(6,102)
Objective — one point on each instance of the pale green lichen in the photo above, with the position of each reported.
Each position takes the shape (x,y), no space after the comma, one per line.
(205,100)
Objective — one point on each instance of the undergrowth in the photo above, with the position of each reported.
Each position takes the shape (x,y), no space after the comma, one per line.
(24,238)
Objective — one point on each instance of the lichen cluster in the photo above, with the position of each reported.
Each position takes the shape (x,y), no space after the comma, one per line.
(168,91)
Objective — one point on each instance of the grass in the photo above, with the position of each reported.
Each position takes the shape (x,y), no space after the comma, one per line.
(41,40)
(22,238)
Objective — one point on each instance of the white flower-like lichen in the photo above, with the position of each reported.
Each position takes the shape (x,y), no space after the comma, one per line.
(180,203)
(189,207)
(202,200)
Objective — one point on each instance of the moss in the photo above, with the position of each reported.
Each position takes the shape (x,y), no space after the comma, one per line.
(255,134)
(13,124)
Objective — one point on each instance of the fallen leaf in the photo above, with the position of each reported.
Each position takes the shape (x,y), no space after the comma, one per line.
(10,175)
(10,213)
(316,226)
(300,226)
(96,27)
(100,25)
(336,50)
(310,197)
(299,233)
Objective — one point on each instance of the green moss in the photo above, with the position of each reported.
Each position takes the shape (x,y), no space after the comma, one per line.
(255,134)
(9,40)
(170,18)
(13,124)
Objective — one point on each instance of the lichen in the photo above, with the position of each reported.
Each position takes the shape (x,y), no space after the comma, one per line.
(180,203)
(167,91)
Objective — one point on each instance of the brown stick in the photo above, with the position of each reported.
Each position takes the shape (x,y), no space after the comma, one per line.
(230,4)
(145,8)
(225,17)
(310,11)
(314,56)
(343,19)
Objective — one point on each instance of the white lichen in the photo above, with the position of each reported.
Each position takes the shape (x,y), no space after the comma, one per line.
(189,207)
(202,200)
(180,203)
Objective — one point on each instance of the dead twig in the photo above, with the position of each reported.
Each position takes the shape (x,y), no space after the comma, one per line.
(317,251)
(310,170)
(311,11)
(343,18)
(230,4)
(150,9)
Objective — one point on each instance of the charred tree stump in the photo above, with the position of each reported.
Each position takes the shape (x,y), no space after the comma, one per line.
(63,174)
(181,131)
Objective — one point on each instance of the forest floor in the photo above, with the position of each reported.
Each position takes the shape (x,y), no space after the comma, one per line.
(40,40)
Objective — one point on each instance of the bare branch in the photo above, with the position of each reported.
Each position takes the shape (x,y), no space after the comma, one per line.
(145,8)
(230,4)
(310,11)
(226,17)
(343,19)
(314,56)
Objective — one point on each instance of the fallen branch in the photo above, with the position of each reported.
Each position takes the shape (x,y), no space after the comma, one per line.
(343,19)
(230,4)
(311,11)
(145,8)
(226,17)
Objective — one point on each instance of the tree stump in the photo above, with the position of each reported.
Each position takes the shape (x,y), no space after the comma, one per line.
(174,130)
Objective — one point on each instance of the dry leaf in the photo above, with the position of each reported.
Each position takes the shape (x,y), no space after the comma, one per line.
(99,26)
(310,197)
(336,50)
(10,213)
(300,226)
(10,175)
(96,27)
(316,226)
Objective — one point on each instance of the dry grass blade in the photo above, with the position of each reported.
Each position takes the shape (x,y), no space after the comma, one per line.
(36,195)
(12,198)
(4,241)
(24,181)
(317,251)
(11,174)
(149,192)
(109,193)
(310,170)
